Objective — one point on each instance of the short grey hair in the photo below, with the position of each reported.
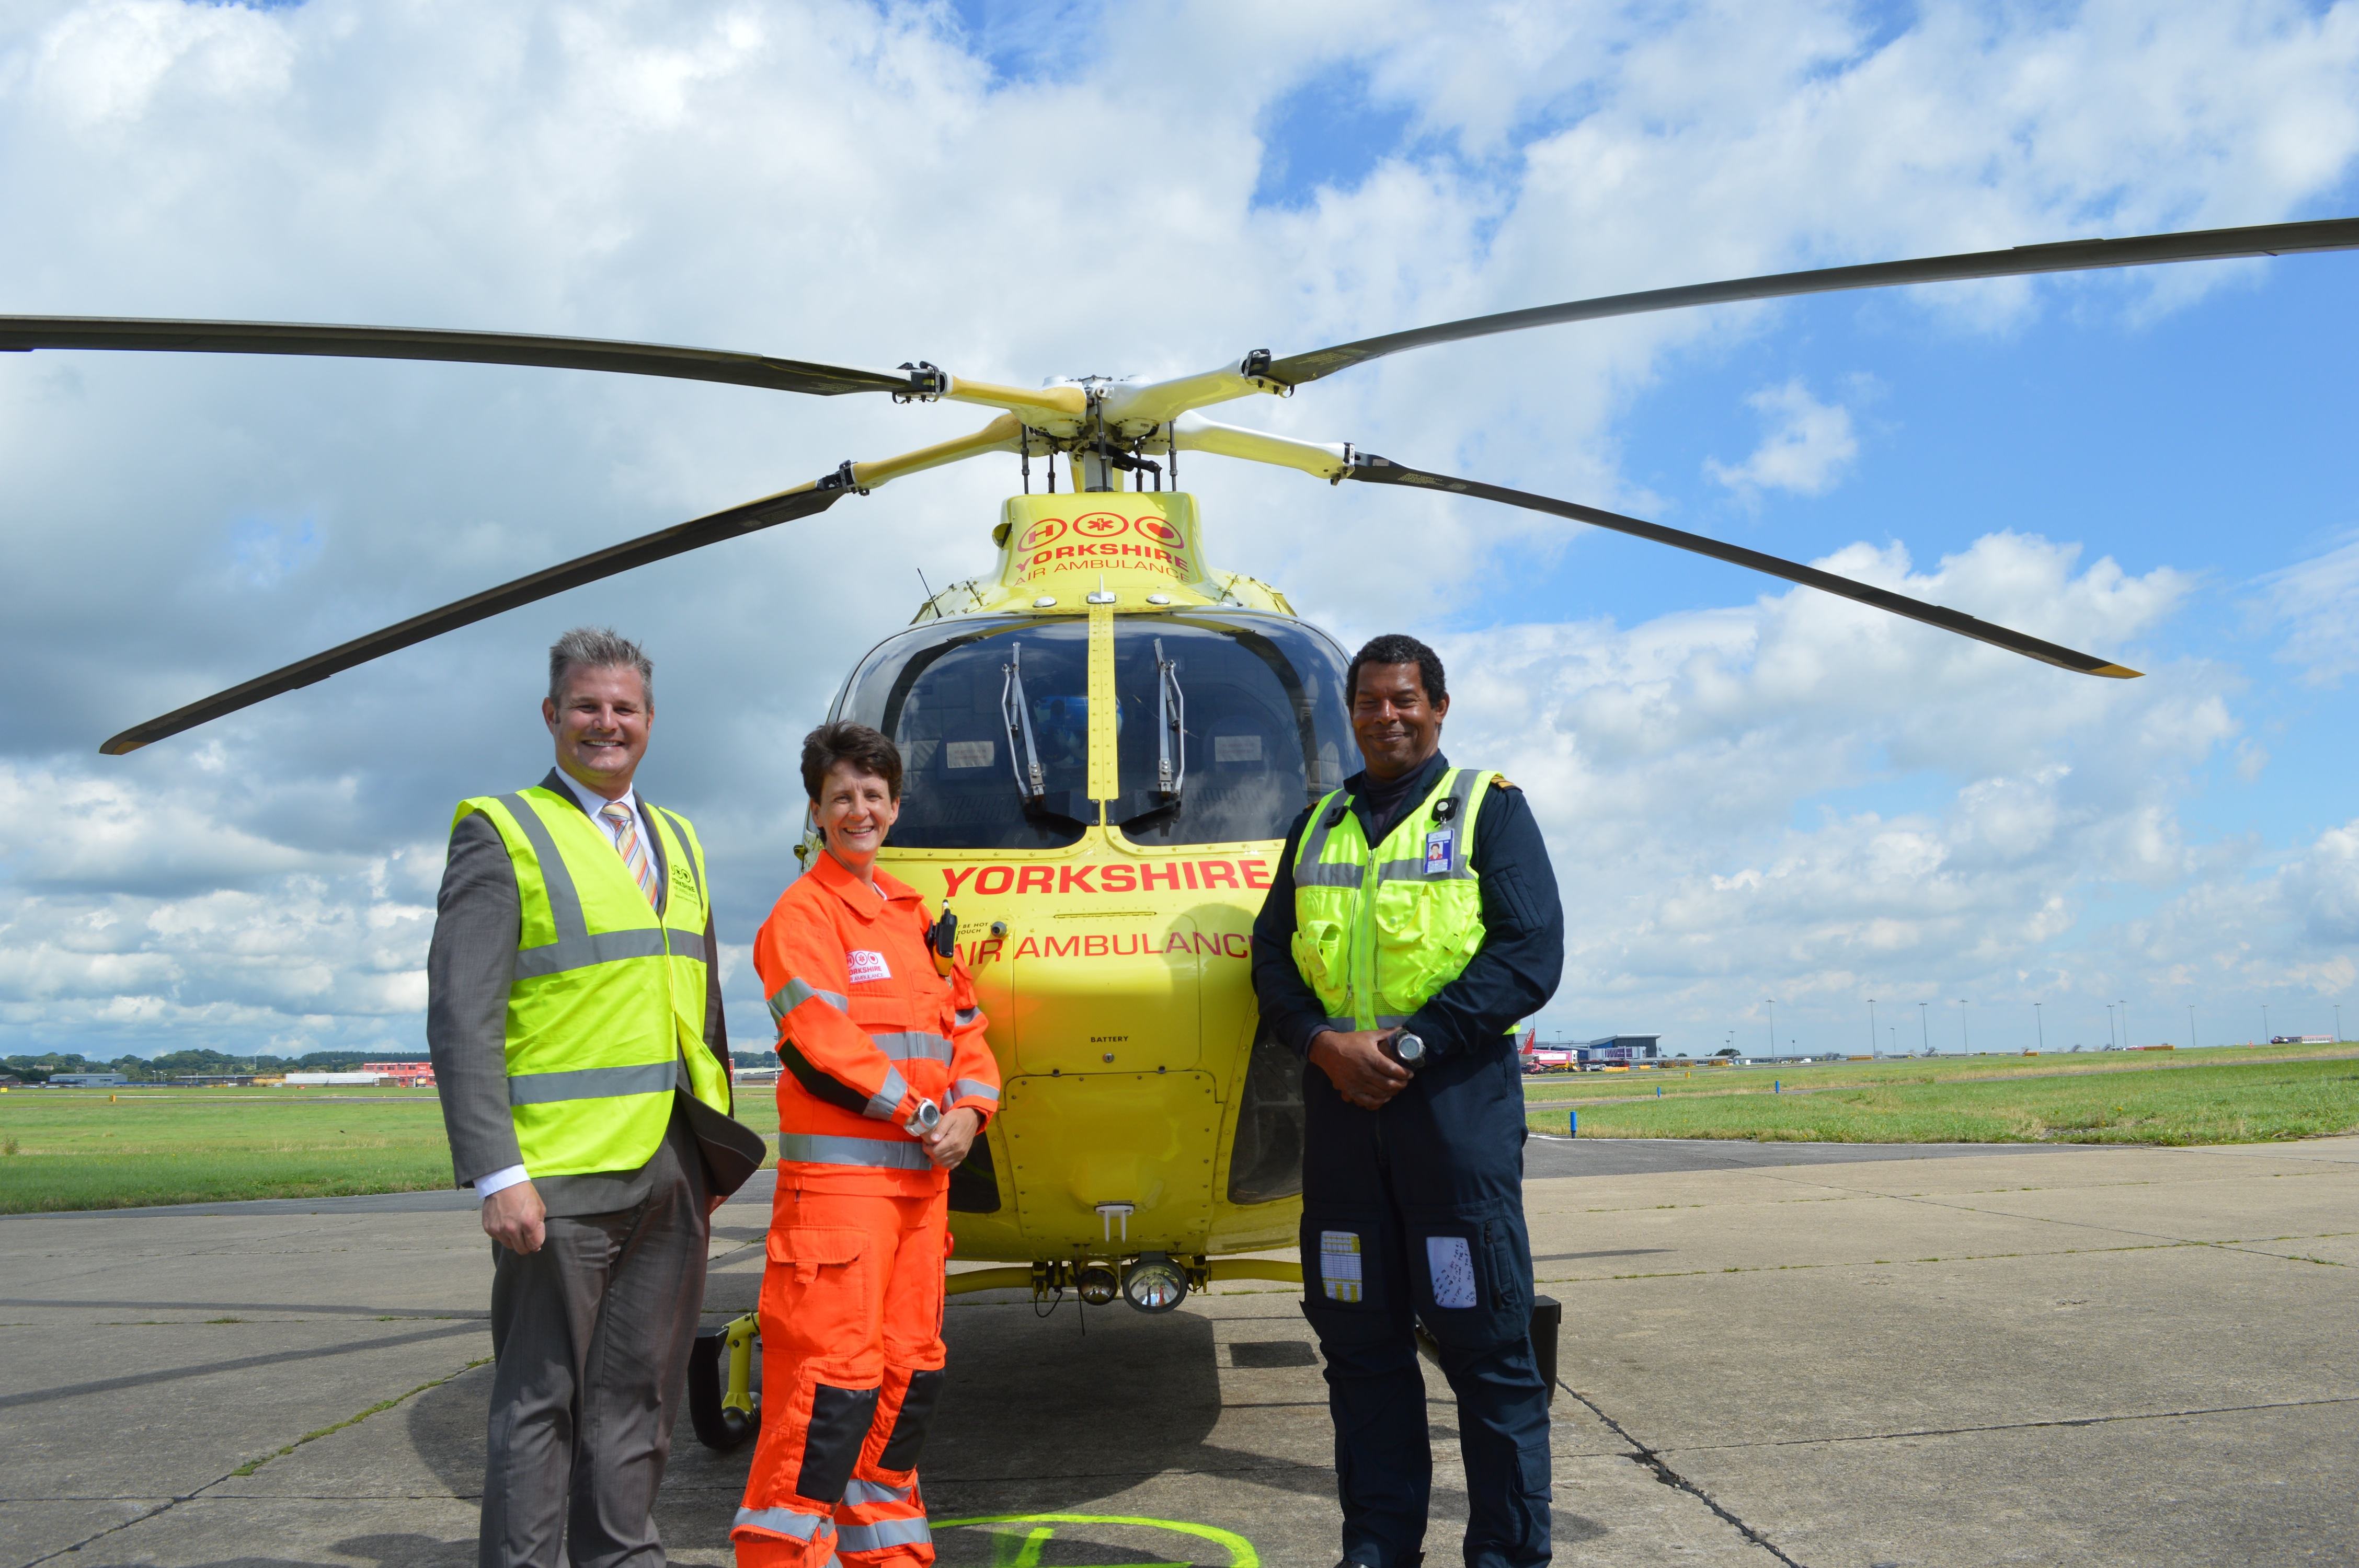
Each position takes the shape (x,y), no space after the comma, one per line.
(597,647)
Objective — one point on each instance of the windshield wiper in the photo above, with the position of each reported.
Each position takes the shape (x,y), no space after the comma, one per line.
(1171,726)
(1022,755)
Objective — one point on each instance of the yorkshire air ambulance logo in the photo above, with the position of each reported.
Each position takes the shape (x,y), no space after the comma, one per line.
(1100,524)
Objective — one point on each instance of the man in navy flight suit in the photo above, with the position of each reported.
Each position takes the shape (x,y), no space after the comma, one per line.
(1414,1173)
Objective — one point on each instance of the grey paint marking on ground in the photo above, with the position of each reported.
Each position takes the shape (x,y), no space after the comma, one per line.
(1546,1155)
(2128,1357)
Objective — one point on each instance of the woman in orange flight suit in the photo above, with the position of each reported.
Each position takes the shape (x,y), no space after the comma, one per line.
(876,1043)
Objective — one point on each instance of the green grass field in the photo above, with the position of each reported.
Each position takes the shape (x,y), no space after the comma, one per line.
(77,1149)
(2228,1096)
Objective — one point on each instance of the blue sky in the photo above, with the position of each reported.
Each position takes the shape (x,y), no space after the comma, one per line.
(1750,790)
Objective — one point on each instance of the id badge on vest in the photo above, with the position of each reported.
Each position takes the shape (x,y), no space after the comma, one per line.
(1439,846)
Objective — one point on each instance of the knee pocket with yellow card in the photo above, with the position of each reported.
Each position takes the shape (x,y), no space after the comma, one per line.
(1465,1271)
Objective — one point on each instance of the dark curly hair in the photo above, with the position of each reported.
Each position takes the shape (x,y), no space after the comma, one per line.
(842,741)
(1395,648)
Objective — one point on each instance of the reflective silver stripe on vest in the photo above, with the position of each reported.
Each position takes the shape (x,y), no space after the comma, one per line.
(967,1016)
(786,1521)
(557,883)
(1314,838)
(1349,1025)
(857,1492)
(795,992)
(592,1083)
(974,1089)
(876,1153)
(581,950)
(883,1533)
(1320,874)
(889,1097)
(916,1045)
(689,945)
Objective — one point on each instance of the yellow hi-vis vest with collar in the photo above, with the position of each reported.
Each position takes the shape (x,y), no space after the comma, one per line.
(608,997)
(1377,932)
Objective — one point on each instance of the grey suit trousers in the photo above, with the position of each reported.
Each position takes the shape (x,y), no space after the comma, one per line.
(589,1340)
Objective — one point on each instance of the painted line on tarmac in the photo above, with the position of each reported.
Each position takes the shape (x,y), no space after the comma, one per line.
(2021,1425)
(244,1363)
(323,1309)
(252,1466)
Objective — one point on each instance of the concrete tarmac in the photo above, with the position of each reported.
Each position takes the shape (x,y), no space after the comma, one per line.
(1777,1354)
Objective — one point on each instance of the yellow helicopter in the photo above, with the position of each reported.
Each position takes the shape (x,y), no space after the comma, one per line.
(1105,740)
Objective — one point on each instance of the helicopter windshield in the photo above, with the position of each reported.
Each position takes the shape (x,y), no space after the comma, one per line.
(1230,725)
(974,719)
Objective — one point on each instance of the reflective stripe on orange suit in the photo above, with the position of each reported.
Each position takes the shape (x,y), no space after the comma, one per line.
(852,1300)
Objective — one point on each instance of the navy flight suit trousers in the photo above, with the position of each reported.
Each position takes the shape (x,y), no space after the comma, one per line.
(1415,1213)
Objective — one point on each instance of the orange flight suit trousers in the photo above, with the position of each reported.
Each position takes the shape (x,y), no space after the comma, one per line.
(851,1367)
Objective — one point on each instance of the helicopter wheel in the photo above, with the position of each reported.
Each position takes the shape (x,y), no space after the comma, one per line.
(713,1368)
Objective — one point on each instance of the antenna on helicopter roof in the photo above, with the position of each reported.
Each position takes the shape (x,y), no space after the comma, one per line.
(924,584)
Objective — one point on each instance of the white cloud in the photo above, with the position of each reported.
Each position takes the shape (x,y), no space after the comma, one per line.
(1689,772)
(844,180)
(2317,602)
(1805,449)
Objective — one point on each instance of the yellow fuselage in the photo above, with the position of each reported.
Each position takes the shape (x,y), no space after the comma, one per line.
(1115,972)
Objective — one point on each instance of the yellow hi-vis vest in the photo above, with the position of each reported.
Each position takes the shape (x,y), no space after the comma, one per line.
(608,998)
(1377,933)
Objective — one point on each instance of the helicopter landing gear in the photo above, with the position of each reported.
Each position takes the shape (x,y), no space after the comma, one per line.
(723,1406)
(1548,1316)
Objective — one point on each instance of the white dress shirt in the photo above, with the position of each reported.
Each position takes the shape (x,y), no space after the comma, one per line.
(593,802)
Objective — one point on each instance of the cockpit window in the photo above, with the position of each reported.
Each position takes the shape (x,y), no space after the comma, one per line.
(946,694)
(1229,726)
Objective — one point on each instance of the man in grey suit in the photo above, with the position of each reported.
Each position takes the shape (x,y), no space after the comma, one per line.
(598,1275)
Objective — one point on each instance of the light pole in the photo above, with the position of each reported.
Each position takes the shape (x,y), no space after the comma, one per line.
(2111,1038)
(2190,1025)
(2126,1024)
(1924,1030)
(2041,1026)
(2338,1023)
(1772,1003)
(1871,1026)
(2264,1024)
(1965,1046)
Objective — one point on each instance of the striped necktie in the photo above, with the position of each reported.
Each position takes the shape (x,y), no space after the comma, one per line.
(625,823)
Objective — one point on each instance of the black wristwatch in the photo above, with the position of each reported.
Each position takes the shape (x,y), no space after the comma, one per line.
(1404,1048)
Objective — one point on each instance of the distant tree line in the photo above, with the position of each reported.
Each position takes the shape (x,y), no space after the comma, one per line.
(178,1063)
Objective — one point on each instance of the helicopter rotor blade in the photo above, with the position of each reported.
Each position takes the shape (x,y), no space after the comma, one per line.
(803,501)
(2072,256)
(22,333)
(786,506)
(1370,468)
